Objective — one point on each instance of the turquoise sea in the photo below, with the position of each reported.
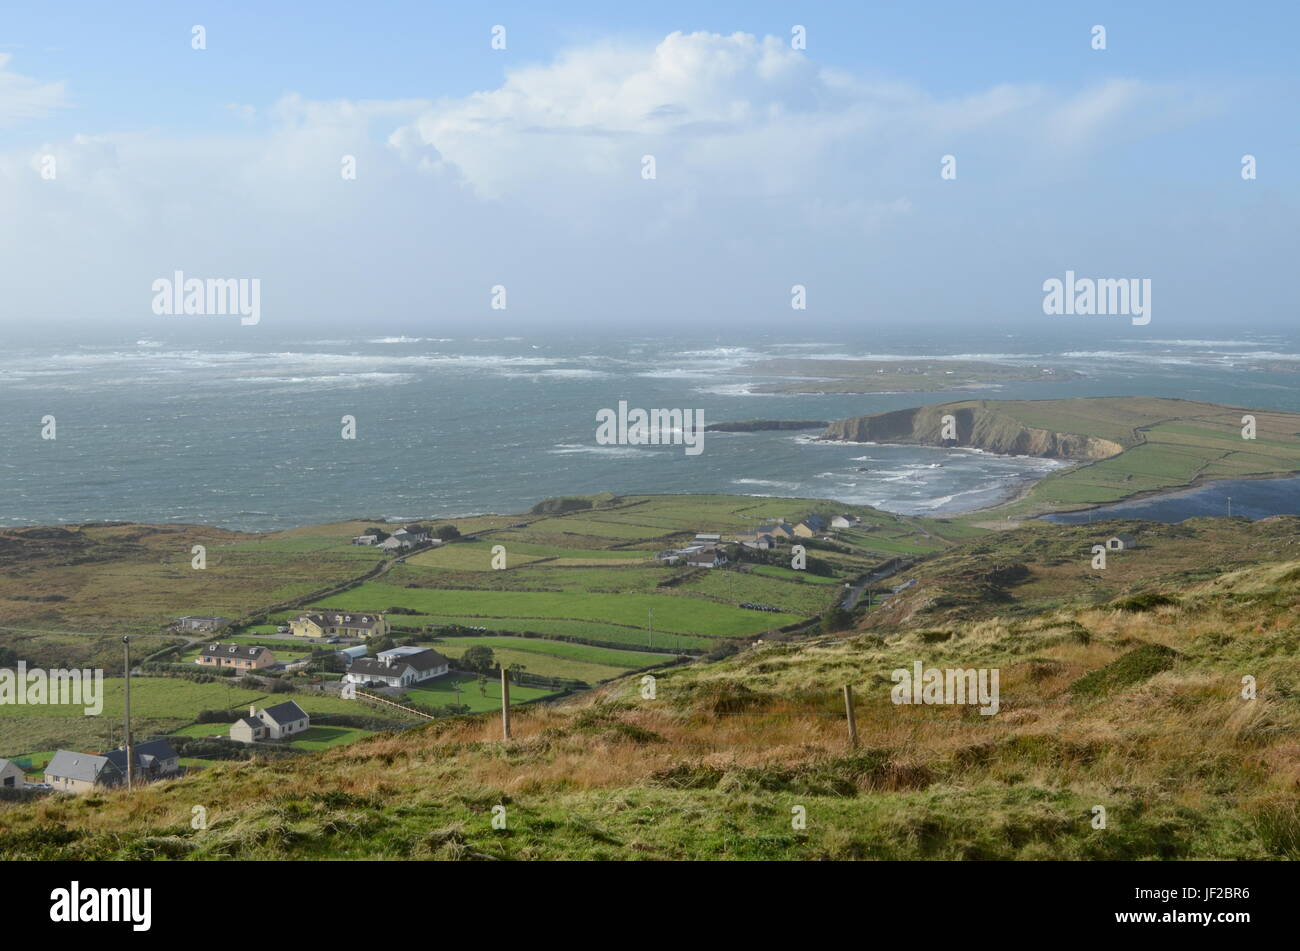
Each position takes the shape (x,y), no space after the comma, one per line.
(242,429)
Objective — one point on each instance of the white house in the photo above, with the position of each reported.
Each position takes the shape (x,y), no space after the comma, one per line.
(844,521)
(399,667)
(273,723)
(1121,542)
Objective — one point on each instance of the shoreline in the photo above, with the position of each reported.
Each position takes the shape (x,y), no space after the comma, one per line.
(1197,484)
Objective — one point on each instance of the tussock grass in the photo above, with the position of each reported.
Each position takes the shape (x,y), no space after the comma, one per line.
(1138,711)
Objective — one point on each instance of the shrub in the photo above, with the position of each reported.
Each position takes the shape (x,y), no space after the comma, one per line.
(1137,665)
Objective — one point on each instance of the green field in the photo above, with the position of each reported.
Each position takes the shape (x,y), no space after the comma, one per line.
(326,737)
(671,613)
(582,630)
(547,658)
(441,692)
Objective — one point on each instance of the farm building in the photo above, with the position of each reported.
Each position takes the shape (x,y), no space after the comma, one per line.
(706,558)
(1121,542)
(11,776)
(349,654)
(203,625)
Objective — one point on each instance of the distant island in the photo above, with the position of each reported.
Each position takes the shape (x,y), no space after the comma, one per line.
(762,425)
(815,376)
(1125,447)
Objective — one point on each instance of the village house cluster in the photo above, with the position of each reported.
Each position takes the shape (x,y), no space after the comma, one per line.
(706,549)
(72,772)
(404,539)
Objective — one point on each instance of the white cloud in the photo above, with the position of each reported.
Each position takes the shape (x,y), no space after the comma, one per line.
(24,98)
(771,168)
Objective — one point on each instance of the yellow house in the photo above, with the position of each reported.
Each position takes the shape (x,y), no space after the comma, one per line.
(338,624)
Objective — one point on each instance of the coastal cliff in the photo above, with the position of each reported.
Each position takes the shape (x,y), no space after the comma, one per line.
(978,426)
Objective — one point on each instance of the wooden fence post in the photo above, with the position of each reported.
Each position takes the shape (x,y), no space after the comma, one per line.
(505,704)
(848,710)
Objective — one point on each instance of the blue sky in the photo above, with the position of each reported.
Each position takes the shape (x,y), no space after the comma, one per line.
(520,166)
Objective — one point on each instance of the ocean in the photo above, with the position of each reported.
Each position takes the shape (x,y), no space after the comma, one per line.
(242,430)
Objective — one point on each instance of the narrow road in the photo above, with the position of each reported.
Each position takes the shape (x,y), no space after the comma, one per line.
(880,574)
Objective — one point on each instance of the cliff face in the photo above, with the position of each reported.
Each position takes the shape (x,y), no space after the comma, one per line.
(978,426)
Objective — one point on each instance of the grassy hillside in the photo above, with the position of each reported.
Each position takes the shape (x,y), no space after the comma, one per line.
(1132,702)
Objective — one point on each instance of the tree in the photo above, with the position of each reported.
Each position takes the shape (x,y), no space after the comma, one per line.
(836,619)
(479,657)
(446,532)
(515,671)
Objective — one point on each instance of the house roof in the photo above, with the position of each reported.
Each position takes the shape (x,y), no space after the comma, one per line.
(250,722)
(286,712)
(145,754)
(85,767)
(340,619)
(376,668)
(706,557)
(425,660)
(245,651)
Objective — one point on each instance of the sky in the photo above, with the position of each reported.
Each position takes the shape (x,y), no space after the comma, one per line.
(524,167)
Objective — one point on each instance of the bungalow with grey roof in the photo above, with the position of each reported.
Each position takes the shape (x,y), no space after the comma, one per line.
(154,759)
(272,723)
(72,772)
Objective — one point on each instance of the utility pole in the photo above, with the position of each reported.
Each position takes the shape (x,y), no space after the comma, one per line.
(130,747)
(505,704)
(848,710)
(650,622)
(1229,506)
